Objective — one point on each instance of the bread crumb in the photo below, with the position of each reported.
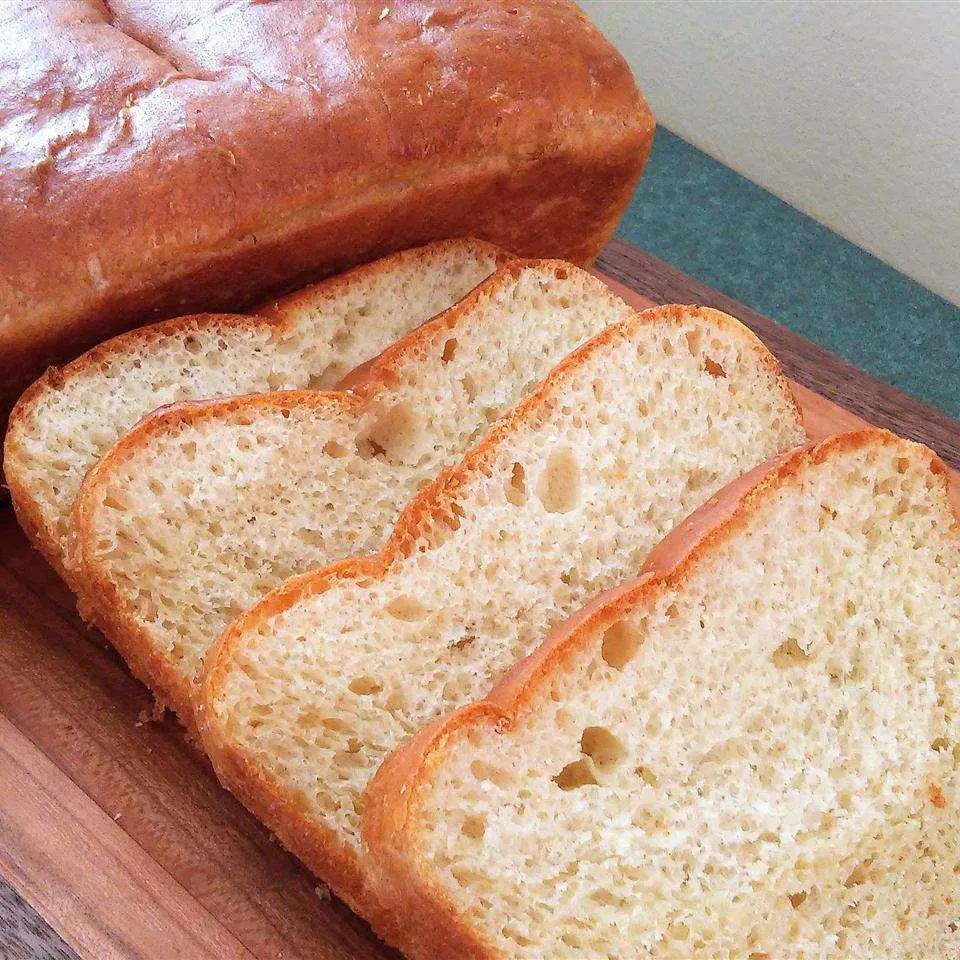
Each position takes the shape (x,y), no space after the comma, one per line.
(152,714)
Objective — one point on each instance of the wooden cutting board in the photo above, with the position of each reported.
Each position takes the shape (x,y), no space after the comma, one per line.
(116,841)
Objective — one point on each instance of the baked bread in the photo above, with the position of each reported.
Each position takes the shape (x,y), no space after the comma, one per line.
(751,751)
(308,692)
(204,508)
(70,417)
(162,157)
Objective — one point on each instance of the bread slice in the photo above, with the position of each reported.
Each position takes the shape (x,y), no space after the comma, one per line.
(307,693)
(751,751)
(71,416)
(204,508)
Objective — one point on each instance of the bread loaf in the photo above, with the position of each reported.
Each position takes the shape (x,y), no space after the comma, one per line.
(204,508)
(308,692)
(752,751)
(162,157)
(70,417)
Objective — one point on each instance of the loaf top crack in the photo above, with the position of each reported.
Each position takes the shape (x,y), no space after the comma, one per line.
(751,751)
(71,416)
(306,694)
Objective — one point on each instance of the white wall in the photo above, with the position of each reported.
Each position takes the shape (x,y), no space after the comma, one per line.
(849,111)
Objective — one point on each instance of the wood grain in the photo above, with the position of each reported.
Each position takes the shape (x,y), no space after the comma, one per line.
(127,847)
(24,934)
(68,856)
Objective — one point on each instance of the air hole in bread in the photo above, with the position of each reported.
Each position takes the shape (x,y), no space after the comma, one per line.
(463,642)
(455,514)
(407,609)
(335,449)
(449,350)
(337,724)
(516,488)
(647,776)
(487,771)
(565,719)
(603,747)
(580,773)
(348,758)
(559,486)
(789,654)
(369,449)
(936,797)
(314,538)
(469,386)
(365,686)
(796,899)
(447,523)
(327,377)
(561,273)
(606,898)
(666,345)
(396,701)
(858,874)
(192,345)
(620,643)
(941,745)
(693,341)
(714,368)
(474,827)
(396,433)
(826,514)
(344,336)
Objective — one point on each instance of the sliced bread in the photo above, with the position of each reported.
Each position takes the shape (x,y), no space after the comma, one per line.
(71,416)
(306,694)
(205,507)
(751,751)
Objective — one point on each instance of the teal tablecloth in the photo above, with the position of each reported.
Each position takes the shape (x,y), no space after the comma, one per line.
(715,225)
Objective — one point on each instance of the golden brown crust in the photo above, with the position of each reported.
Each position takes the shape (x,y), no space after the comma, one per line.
(266,145)
(273,801)
(399,880)
(277,314)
